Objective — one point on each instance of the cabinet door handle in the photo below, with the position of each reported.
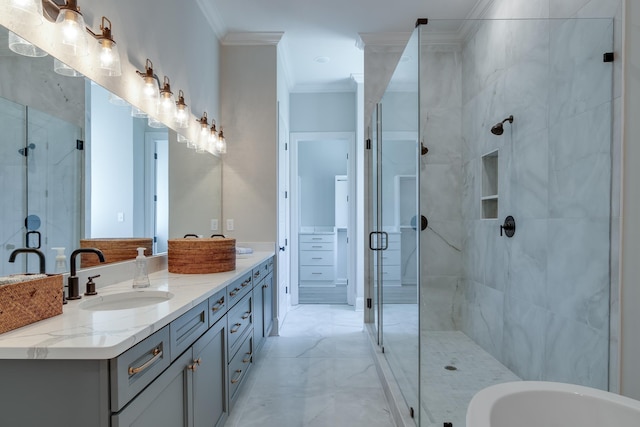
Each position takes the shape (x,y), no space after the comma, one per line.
(156,353)
(219,305)
(247,359)
(239,376)
(246,315)
(265,286)
(235,328)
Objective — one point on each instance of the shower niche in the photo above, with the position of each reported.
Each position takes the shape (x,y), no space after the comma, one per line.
(489,198)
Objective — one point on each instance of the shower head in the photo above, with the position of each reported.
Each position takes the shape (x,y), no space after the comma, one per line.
(498,129)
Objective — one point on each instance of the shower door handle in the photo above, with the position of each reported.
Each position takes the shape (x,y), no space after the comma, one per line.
(383,241)
(28,240)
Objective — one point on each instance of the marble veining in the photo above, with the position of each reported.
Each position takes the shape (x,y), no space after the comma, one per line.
(319,372)
(85,334)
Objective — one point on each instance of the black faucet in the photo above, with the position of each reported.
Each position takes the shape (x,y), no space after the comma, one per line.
(72,282)
(12,257)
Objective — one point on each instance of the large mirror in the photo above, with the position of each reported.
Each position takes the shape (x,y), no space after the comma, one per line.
(76,165)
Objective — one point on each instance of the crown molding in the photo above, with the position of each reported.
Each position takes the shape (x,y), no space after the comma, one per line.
(213,17)
(252,39)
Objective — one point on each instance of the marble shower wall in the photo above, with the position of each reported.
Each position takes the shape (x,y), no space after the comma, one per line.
(441,183)
(539,302)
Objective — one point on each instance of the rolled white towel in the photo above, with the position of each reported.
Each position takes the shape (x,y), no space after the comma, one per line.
(242,251)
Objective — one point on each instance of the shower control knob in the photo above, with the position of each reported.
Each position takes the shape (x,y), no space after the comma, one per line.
(509,226)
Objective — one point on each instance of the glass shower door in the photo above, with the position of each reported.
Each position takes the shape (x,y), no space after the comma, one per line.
(398,225)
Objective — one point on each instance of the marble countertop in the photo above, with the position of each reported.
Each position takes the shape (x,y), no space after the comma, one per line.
(86,334)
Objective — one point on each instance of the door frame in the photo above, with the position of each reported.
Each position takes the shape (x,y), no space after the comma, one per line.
(349,138)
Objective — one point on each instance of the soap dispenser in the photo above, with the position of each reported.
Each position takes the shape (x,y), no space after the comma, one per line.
(141,278)
(61,261)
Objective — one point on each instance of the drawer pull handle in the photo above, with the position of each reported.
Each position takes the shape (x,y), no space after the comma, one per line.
(317,258)
(238,378)
(234,292)
(246,315)
(316,238)
(248,358)
(157,354)
(219,305)
(246,282)
(193,367)
(235,328)
(316,246)
(256,274)
(316,273)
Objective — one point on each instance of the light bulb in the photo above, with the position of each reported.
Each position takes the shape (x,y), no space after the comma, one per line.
(106,56)
(73,36)
(150,90)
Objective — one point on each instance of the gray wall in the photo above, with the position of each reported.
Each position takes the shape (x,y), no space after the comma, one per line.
(323,112)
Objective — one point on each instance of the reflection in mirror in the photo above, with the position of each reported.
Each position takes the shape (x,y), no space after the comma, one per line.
(68,172)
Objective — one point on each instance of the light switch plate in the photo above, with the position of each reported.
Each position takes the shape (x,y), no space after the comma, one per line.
(214,225)
(229,225)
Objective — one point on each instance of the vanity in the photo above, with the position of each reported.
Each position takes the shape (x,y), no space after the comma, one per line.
(176,357)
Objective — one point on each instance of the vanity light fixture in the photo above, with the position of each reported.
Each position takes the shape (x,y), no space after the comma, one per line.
(138,113)
(150,89)
(22,47)
(28,11)
(154,122)
(221,144)
(182,112)
(63,69)
(71,29)
(109,58)
(166,107)
(203,136)
(212,141)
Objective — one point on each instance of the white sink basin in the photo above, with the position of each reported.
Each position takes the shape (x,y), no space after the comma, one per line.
(125,300)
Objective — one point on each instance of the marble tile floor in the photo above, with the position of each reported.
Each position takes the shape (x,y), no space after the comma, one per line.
(319,372)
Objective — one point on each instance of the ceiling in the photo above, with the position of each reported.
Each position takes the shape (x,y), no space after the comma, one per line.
(320,39)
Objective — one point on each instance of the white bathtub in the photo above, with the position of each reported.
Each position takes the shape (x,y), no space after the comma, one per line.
(543,404)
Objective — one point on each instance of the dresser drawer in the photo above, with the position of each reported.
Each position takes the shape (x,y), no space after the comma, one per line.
(239,366)
(316,258)
(260,272)
(316,246)
(134,369)
(238,289)
(316,238)
(217,306)
(186,329)
(317,273)
(239,319)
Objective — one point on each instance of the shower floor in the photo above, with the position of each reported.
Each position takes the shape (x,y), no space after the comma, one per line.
(445,393)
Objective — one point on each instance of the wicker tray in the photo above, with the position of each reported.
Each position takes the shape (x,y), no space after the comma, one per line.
(28,302)
(201,256)
(114,249)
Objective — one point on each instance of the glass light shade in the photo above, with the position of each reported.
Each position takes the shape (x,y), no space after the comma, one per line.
(166,107)
(72,33)
(221,145)
(155,123)
(63,69)
(109,58)
(137,112)
(22,47)
(150,89)
(27,11)
(182,116)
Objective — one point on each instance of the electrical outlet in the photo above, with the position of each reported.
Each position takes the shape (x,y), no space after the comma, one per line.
(214,225)
(120,216)
(229,225)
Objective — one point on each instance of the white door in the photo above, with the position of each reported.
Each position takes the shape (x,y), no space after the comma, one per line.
(283,275)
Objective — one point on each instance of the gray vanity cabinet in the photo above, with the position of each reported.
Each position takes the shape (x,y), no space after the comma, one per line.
(167,401)
(210,406)
(263,302)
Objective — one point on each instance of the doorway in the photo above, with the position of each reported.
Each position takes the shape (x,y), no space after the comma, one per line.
(323,187)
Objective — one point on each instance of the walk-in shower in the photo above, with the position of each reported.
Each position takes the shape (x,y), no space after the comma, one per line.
(458,307)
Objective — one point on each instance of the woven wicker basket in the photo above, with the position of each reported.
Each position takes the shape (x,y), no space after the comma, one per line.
(201,256)
(114,249)
(28,302)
